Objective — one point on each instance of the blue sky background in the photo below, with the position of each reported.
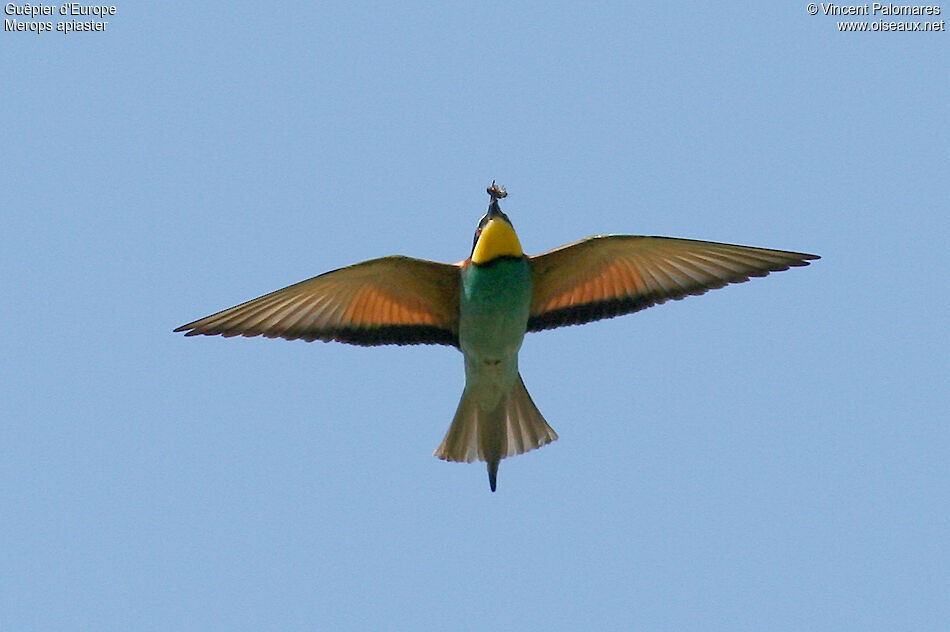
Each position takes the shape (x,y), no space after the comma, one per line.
(770,456)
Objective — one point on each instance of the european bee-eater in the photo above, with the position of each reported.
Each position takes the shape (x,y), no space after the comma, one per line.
(485,305)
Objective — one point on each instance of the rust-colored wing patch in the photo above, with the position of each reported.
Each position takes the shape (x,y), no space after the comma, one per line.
(392,300)
(606,276)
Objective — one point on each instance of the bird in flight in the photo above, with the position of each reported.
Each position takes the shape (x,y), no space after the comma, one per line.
(485,305)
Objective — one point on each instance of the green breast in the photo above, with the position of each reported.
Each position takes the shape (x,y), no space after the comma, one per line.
(494,307)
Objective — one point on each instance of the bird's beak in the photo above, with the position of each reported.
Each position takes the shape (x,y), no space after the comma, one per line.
(494,210)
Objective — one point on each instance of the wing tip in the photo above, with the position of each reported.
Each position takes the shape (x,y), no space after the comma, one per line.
(800,260)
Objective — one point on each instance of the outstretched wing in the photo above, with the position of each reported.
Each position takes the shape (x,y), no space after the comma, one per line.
(392,300)
(606,276)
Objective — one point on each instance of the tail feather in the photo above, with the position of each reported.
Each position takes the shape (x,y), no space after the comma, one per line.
(515,426)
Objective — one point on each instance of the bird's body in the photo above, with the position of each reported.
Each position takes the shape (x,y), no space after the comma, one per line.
(493,318)
(486,304)
(494,306)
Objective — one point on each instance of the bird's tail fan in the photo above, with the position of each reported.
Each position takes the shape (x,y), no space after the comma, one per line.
(513,427)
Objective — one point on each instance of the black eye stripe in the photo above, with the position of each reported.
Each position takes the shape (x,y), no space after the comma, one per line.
(485,218)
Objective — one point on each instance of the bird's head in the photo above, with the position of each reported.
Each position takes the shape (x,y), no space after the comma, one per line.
(495,236)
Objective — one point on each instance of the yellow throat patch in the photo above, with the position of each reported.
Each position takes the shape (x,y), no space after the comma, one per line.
(498,239)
